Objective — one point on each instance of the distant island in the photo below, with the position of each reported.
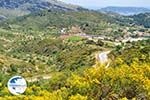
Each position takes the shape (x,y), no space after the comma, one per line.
(125,10)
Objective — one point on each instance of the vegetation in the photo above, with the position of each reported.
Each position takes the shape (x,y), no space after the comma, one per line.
(139,53)
(142,19)
(124,79)
(130,82)
(89,22)
(75,38)
(65,47)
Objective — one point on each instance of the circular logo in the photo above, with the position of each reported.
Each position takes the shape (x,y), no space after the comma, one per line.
(17,85)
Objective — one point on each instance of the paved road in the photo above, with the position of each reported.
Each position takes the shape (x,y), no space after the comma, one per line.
(134,39)
(103,57)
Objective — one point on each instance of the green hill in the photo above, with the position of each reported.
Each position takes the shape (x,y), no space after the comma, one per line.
(14,8)
(90,22)
(142,19)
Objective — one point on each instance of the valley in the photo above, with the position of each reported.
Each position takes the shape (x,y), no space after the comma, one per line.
(67,52)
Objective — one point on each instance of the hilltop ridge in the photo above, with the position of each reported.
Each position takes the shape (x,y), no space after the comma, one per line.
(13,8)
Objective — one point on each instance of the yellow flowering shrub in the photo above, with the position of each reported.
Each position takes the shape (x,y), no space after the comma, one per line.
(78,97)
(116,83)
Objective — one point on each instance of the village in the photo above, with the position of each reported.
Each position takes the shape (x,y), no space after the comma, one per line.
(117,40)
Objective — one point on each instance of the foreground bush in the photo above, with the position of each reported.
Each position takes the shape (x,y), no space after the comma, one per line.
(119,83)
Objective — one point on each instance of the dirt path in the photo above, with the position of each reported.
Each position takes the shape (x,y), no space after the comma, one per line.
(39,77)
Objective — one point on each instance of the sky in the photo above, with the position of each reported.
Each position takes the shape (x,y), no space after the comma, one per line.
(104,3)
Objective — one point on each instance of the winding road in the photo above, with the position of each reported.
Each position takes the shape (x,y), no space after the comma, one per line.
(103,58)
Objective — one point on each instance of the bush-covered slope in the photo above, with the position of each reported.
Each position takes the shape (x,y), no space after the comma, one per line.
(90,22)
(122,80)
(120,83)
(142,19)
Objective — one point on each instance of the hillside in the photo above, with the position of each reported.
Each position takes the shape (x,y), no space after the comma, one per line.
(65,52)
(126,10)
(126,78)
(89,22)
(13,8)
(142,19)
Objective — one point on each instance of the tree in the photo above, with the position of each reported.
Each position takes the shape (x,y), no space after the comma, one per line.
(100,42)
